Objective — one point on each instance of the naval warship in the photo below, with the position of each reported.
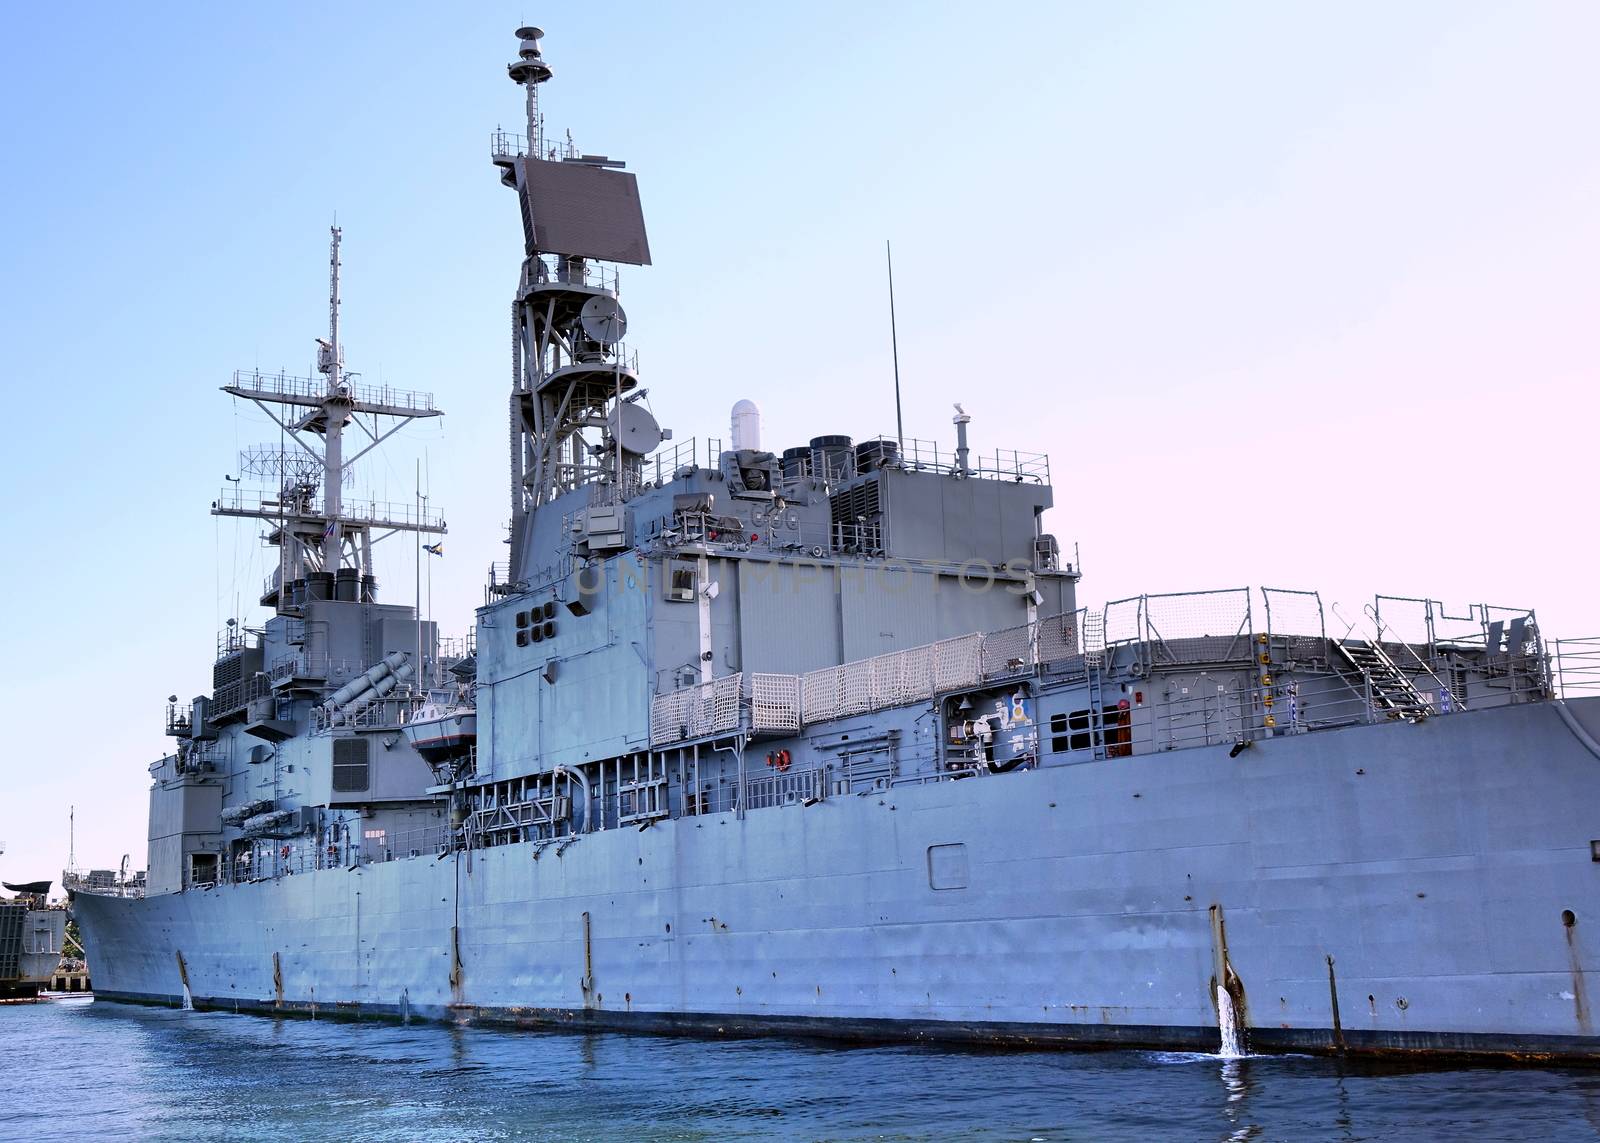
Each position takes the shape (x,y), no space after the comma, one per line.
(817,740)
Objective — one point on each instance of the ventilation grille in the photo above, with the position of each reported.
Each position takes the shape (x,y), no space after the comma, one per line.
(229,669)
(351,774)
(857,517)
(11,919)
(236,667)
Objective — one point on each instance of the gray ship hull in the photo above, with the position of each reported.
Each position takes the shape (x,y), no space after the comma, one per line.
(1395,887)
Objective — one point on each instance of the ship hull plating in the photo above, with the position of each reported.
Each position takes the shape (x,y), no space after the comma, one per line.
(1400,887)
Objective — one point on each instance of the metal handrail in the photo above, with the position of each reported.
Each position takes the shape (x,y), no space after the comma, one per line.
(511,145)
(375,512)
(390,712)
(1244,713)
(1375,618)
(668,460)
(618,357)
(1577,666)
(562,270)
(997,464)
(284,384)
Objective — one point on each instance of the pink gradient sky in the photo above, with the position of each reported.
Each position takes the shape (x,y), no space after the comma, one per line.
(1292,295)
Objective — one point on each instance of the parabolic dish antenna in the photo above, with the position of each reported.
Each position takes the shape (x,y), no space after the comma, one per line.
(632,427)
(603,320)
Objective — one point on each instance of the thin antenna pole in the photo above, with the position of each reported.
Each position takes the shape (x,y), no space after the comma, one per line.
(333,409)
(428,477)
(894,342)
(419,575)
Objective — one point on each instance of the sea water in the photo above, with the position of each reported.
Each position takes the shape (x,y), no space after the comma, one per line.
(78,1070)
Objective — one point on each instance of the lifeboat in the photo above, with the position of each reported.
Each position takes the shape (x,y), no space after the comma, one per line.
(446,726)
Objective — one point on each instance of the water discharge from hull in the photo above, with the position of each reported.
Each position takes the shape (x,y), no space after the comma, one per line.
(183,979)
(1228,1025)
(1228,989)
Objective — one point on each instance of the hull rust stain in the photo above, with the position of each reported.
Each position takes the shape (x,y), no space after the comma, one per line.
(1580,995)
(1475,1048)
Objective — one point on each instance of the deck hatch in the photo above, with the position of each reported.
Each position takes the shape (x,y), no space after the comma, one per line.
(947,866)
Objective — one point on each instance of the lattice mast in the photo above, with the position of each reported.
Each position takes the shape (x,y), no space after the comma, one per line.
(572,423)
(316,541)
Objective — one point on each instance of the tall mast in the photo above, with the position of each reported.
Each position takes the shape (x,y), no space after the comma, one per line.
(335,410)
(530,71)
(320,544)
(894,343)
(572,423)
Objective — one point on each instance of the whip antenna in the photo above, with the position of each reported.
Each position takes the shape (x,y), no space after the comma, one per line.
(894,343)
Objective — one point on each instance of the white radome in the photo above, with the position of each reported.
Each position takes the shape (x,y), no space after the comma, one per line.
(746,425)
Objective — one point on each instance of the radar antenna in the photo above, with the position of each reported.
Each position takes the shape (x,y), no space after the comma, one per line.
(572,373)
(530,71)
(289,467)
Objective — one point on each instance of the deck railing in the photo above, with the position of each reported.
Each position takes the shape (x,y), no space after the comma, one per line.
(995,464)
(705,710)
(303,390)
(510,145)
(1576,666)
(1133,637)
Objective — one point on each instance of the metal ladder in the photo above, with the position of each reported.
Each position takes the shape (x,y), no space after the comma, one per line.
(1097,721)
(1387,687)
(1094,655)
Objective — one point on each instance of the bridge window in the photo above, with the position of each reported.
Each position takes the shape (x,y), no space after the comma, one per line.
(680,583)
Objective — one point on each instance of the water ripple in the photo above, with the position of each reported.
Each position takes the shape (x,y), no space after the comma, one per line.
(104,1071)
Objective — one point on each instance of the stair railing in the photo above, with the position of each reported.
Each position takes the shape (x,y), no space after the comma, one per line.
(1457,702)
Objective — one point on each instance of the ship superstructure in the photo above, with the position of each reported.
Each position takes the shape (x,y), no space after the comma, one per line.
(819,739)
(292,760)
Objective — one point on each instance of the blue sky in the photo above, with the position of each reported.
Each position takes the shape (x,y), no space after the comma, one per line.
(1292,295)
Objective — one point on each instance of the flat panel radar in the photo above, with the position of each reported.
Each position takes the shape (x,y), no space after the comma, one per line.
(583,211)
